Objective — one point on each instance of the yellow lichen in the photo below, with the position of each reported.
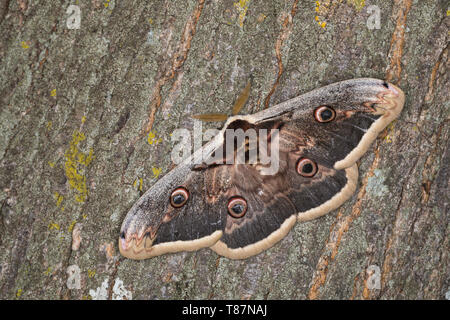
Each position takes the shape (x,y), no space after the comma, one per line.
(151,139)
(242,7)
(53,225)
(390,129)
(91,273)
(72,224)
(156,172)
(47,272)
(59,198)
(321,9)
(141,182)
(24,45)
(53,93)
(75,158)
(358,4)
(19,293)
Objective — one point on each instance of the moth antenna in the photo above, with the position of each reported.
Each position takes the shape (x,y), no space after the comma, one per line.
(243,97)
(211,117)
(237,107)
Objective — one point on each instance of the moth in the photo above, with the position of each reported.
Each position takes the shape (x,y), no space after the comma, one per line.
(238,211)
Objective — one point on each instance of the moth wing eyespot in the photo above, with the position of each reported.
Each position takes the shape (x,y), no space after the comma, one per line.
(306,167)
(179,197)
(237,207)
(324,114)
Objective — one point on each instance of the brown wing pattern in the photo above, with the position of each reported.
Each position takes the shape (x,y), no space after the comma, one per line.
(317,173)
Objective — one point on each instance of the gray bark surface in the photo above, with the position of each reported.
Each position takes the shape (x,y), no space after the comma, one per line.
(85,123)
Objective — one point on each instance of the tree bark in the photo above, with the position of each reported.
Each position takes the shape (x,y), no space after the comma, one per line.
(86,116)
